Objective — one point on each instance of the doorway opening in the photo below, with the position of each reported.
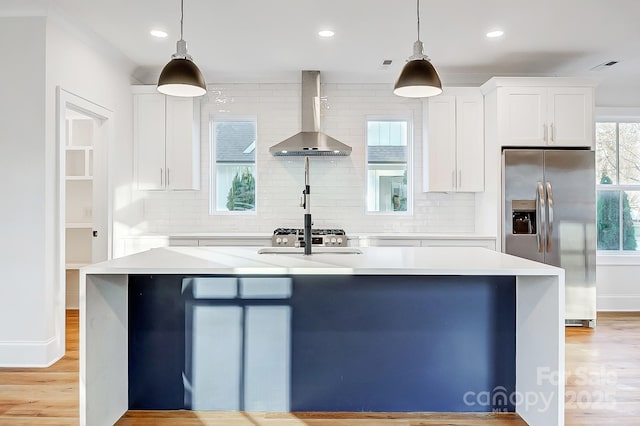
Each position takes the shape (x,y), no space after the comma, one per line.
(84,200)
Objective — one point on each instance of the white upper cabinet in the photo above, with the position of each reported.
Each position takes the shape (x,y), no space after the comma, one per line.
(454,150)
(570,112)
(551,112)
(166,141)
(183,143)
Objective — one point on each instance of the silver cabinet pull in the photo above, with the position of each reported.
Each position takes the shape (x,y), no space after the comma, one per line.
(160,177)
(551,132)
(540,214)
(550,226)
(459,179)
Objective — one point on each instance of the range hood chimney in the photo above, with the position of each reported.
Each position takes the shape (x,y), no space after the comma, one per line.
(310,141)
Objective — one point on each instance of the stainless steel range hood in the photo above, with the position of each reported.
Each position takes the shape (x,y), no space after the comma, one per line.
(310,141)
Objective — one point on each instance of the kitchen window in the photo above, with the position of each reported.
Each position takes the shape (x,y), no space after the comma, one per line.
(233,142)
(388,165)
(618,186)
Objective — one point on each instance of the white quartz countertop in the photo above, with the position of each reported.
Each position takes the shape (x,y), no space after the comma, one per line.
(423,236)
(372,261)
(387,235)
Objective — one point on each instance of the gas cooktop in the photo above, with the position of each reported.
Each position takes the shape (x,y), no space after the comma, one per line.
(294,237)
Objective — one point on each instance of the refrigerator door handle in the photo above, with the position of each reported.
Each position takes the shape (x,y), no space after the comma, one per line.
(550,226)
(540,213)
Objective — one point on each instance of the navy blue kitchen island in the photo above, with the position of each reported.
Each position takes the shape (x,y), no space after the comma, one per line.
(389,330)
(320,342)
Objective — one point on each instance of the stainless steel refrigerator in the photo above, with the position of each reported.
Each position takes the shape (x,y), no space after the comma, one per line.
(549,215)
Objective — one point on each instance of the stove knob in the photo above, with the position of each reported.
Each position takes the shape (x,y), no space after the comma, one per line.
(285,240)
(339,240)
(333,240)
(278,240)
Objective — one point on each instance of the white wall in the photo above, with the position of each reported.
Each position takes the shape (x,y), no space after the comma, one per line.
(338,194)
(617,278)
(22,192)
(49,53)
(83,66)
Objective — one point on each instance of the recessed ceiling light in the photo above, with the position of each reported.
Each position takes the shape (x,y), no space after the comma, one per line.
(158,33)
(495,33)
(326,33)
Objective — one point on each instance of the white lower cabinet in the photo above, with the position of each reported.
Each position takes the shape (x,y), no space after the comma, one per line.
(166,141)
(422,241)
(454,142)
(489,243)
(230,241)
(388,242)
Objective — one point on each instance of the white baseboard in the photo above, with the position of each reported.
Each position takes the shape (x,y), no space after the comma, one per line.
(30,354)
(618,302)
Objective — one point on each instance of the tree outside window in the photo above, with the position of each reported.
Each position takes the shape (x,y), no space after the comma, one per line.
(242,194)
(234,146)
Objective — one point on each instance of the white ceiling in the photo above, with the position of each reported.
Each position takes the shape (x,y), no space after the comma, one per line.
(273,40)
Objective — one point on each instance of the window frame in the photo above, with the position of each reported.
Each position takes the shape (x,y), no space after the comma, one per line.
(213,119)
(410,146)
(617,116)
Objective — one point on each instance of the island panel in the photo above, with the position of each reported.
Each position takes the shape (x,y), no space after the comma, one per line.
(321,343)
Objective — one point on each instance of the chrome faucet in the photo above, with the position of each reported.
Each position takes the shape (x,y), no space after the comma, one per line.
(306,204)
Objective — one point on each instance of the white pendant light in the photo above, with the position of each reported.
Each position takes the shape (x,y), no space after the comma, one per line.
(418,79)
(181,77)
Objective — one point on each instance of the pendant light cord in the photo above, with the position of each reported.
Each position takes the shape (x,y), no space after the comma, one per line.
(418,13)
(181,16)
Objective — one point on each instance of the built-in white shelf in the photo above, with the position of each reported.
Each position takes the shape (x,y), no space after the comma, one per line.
(79,225)
(76,265)
(79,148)
(87,178)
(79,161)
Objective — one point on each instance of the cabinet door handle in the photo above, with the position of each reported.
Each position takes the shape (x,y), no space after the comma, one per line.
(551,132)
(459,179)
(168,177)
(160,177)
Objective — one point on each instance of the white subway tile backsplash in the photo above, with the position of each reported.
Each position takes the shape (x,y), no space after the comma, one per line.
(338,184)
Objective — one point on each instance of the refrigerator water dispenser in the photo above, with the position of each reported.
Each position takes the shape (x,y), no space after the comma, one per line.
(524,216)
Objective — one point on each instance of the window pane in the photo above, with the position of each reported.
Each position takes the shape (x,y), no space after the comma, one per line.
(630,220)
(629,153)
(235,143)
(606,164)
(608,206)
(373,133)
(387,188)
(387,165)
(235,187)
(387,133)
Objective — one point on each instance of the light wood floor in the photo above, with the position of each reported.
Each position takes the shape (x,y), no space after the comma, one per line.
(602,376)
